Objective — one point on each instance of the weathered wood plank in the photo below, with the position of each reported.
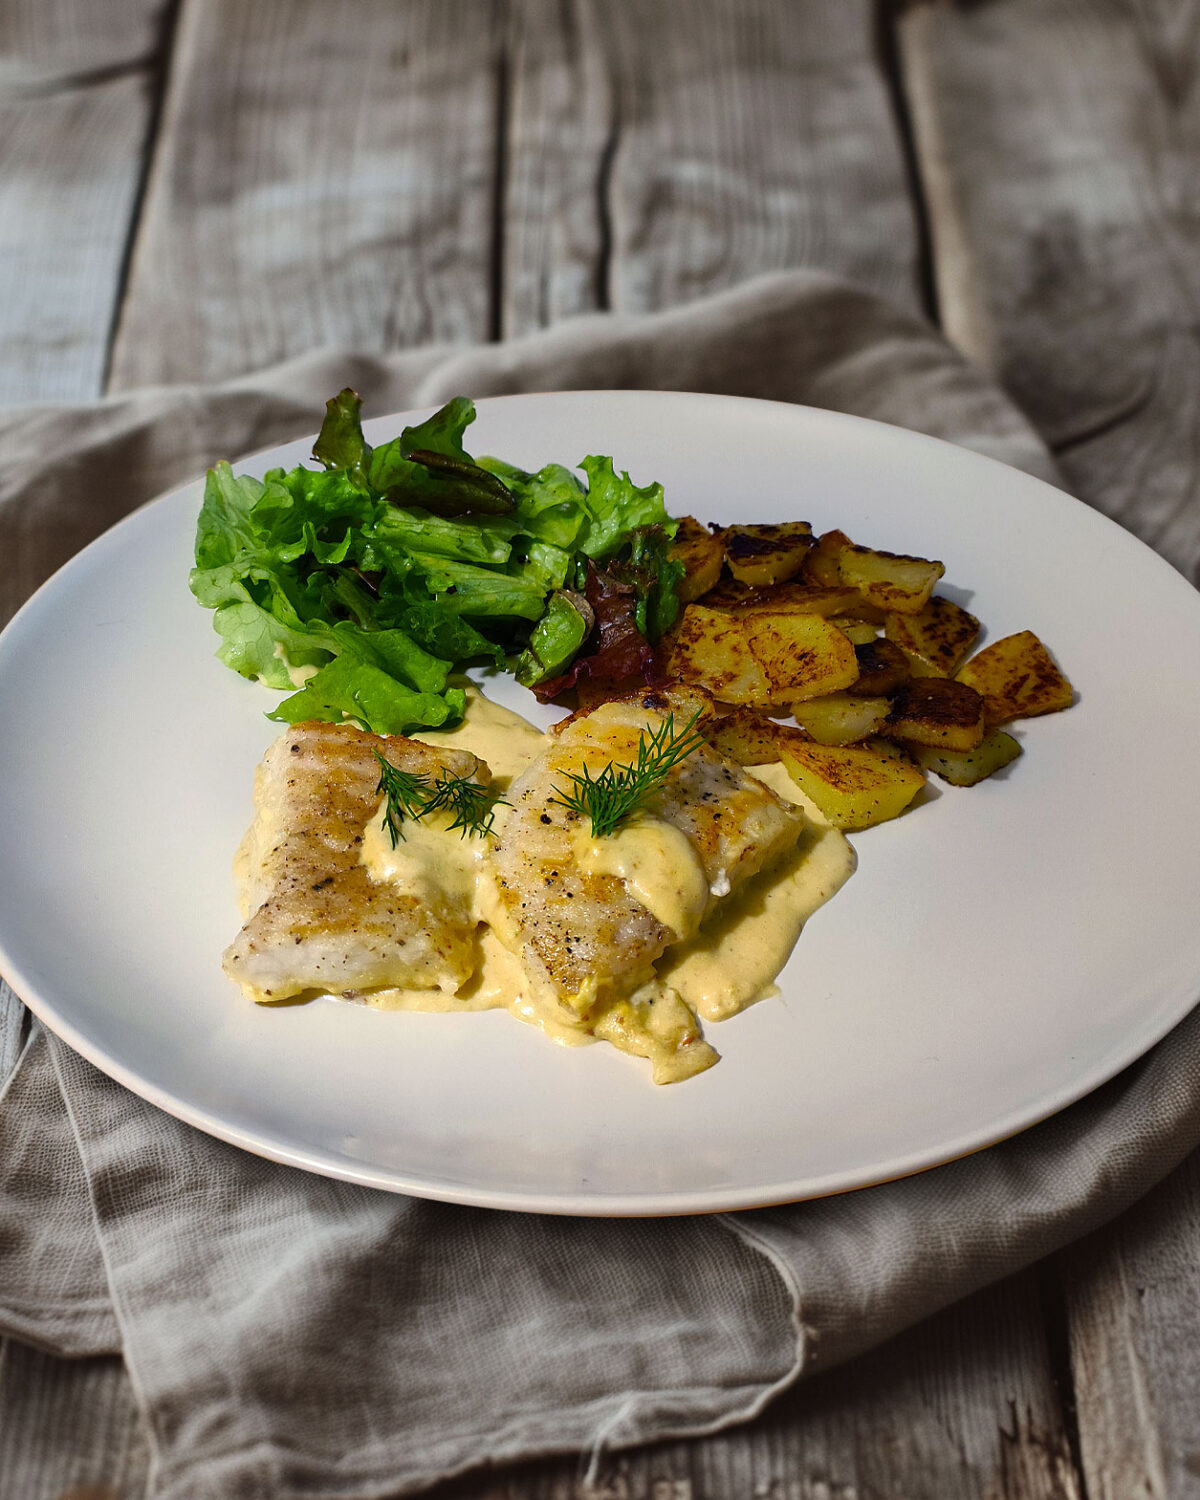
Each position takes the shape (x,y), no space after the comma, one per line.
(70,1428)
(964,1406)
(325,174)
(1058,142)
(655,158)
(77,87)
(1133,1298)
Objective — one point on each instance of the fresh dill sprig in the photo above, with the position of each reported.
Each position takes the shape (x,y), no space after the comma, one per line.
(410,795)
(473,805)
(405,793)
(620,791)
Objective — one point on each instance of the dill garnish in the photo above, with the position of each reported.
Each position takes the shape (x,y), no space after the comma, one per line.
(472,805)
(619,791)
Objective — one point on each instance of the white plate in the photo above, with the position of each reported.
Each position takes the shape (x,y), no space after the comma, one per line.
(1001,950)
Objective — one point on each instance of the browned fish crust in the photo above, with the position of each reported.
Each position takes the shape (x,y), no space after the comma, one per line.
(319,922)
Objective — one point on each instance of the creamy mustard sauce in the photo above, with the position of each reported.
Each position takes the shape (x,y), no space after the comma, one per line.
(497,735)
(658,864)
(737,956)
(718,965)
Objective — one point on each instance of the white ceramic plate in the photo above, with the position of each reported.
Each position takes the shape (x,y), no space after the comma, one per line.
(1000,952)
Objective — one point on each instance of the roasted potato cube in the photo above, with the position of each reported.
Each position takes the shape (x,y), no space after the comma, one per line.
(711,650)
(1017,678)
(795,598)
(966,767)
(940,635)
(858,632)
(749,737)
(939,712)
(766,554)
(853,787)
(802,655)
(820,564)
(889,580)
(882,667)
(890,749)
(840,718)
(702,556)
(728,593)
(762,658)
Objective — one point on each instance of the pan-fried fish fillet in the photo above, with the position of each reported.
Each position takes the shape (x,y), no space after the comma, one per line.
(316,919)
(581,931)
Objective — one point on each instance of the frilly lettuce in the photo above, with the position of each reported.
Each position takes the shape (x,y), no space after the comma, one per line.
(377,575)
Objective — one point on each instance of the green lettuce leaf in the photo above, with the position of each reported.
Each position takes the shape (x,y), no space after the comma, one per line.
(352,689)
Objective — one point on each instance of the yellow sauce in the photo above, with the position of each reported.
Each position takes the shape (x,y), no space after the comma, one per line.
(495,734)
(737,956)
(716,968)
(660,867)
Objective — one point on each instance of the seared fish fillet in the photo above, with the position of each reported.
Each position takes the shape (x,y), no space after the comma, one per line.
(317,921)
(571,924)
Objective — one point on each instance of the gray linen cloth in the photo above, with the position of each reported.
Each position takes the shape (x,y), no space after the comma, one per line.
(287,1335)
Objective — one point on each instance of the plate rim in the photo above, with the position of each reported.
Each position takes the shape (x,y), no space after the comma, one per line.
(599,1204)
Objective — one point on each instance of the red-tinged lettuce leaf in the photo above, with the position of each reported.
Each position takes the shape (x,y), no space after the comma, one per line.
(615,650)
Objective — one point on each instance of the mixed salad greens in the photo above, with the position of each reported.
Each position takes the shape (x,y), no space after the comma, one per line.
(379,574)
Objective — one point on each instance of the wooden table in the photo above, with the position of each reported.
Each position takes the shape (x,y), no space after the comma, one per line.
(194,189)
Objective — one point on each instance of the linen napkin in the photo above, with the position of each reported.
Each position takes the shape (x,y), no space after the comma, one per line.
(289,1335)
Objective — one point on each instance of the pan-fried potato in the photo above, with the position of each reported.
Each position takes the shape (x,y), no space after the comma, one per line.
(763,658)
(939,712)
(821,562)
(1017,679)
(792,598)
(888,581)
(940,635)
(967,767)
(852,786)
(841,718)
(766,554)
(858,632)
(882,667)
(749,737)
(702,556)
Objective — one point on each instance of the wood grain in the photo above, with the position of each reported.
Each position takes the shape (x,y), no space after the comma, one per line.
(1133,1298)
(325,174)
(1058,142)
(751,137)
(76,103)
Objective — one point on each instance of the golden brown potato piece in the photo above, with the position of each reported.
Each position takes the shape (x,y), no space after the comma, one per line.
(702,556)
(853,787)
(858,632)
(882,667)
(794,598)
(765,554)
(966,767)
(841,718)
(888,581)
(937,711)
(821,562)
(1017,678)
(763,658)
(939,636)
(748,737)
